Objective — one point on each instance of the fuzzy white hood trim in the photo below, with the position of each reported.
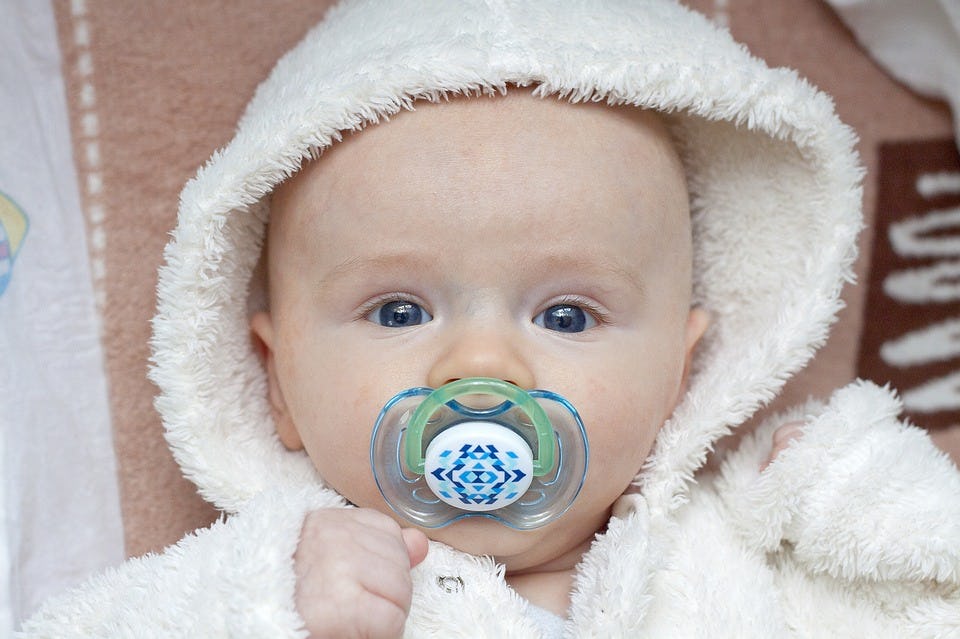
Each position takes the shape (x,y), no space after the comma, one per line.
(773,177)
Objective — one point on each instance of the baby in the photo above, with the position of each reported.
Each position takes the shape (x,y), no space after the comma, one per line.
(523,239)
(658,234)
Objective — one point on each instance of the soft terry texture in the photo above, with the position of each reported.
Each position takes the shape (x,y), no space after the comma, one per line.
(851,532)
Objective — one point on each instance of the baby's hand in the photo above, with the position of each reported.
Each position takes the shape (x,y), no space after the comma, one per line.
(353,573)
(781,439)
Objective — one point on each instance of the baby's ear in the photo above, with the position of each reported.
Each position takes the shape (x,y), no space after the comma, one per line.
(261,326)
(697,323)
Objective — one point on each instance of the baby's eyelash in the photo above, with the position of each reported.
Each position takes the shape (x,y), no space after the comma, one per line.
(370,305)
(600,314)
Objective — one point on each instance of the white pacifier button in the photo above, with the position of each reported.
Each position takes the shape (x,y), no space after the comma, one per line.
(478,466)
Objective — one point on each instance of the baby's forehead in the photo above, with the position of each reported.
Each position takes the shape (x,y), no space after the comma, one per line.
(486,146)
(518,123)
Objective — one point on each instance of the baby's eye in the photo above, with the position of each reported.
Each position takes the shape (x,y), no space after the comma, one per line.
(399,314)
(565,318)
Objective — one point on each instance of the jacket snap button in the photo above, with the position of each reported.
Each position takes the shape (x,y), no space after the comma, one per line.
(450,584)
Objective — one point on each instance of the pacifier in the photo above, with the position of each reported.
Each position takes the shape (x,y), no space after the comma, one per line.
(479,447)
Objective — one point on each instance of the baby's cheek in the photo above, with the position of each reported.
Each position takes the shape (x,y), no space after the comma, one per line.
(338,442)
(630,425)
(618,448)
(350,476)
(366,402)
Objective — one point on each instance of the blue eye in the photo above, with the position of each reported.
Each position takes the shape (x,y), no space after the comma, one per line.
(565,318)
(399,314)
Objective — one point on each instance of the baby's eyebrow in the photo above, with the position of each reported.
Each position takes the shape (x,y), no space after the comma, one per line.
(532,264)
(594,265)
(386,261)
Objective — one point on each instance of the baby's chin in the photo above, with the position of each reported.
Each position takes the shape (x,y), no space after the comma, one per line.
(517,550)
(482,536)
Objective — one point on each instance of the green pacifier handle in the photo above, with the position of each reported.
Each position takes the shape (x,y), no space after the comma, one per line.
(480,386)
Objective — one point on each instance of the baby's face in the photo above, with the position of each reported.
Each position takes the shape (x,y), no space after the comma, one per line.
(529,240)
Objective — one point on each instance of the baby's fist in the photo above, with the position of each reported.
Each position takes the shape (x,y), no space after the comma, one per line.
(353,573)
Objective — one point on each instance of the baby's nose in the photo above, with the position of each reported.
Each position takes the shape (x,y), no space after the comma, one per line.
(481,355)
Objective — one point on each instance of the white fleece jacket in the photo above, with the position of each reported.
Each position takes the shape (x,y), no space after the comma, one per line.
(854,530)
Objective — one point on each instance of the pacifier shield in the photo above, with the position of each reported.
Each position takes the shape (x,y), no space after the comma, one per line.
(478,466)
(520,460)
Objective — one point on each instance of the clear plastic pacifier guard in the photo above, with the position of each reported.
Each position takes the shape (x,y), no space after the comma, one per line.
(500,452)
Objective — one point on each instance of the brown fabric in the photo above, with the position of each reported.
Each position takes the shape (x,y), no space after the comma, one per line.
(902,303)
(165,82)
(170,81)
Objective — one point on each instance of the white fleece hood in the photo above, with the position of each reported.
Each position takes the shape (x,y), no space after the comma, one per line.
(773,178)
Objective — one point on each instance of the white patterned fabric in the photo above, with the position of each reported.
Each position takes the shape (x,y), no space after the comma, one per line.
(918,42)
(54,416)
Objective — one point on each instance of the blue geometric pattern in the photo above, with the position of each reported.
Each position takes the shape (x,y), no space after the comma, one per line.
(480,474)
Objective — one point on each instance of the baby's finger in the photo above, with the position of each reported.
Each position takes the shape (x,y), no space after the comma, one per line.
(388,580)
(781,440)
(787,433)
(417,545)
(374,519)
(388,545)
(383,619)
